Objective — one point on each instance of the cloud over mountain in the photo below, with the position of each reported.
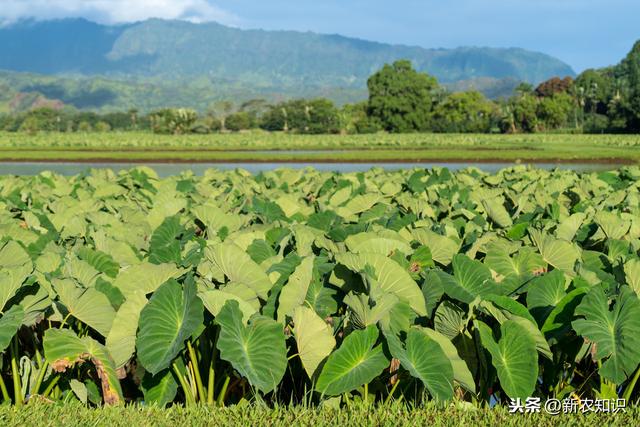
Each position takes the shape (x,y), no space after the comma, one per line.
(115,11)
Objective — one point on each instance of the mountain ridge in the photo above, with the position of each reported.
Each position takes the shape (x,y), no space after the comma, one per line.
(180,49)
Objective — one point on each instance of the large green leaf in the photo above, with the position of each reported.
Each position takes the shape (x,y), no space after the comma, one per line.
(145,277)
(63,349)
(215,299)
(461,373)
(256,351)
(87,305)
(425,359)
(497,212)
(355,363)
(559,253)
(470,279)
(514,357)
(390,277)
(171,316)
(121,341)
(11,279)
(383,243)
(159,389)
(101,261)
(314,338)
(9,324)
(295,291)
(632,273)
(544,293)
(442,248)
(615,333)
(238,266)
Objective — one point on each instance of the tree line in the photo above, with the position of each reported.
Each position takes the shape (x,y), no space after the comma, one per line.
(400,100)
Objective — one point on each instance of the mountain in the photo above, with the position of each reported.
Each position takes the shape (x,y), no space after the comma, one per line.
(162,53)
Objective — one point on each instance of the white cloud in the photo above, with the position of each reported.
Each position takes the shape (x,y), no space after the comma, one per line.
(114,11)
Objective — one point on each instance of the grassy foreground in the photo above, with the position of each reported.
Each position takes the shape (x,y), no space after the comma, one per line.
(396,415)
(274,147)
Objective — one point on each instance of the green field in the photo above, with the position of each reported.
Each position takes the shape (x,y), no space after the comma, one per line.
(142,147)
(320,289)
(72,415)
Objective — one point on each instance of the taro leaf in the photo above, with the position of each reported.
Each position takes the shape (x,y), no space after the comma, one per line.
(544,293)
(11,279)
(425,359)
(321,298)
(101,261)
(260,251)
(615,333)
(442,248)
(497,212)
(384,243)
(171,316)
(9,324)
(389,278)
(295,291)
(559,253)
(632,273)
(238,266)
(314,338)
(558,323)
(63,349)
(612,225)
(257,351)
(145,277)
(432,290)
(159,389)
(355,363)
(514,357)
(215,299)
(13,255)
(510,309)
(461,373)
(80,390)
(471,279)
(164,246)
(87,305)
(568,228)
(121,341)
(449,319)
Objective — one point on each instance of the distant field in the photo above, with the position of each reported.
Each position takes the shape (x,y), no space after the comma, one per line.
(137,146)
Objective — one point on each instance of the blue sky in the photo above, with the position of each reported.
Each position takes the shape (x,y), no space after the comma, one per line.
(584,33)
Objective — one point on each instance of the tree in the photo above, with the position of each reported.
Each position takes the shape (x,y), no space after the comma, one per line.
(221,109)
(321,117)
(239,121)
(631,67)
(463,112)
(401,98)
(520,114)
(554,86)
(173,121)
(554,111)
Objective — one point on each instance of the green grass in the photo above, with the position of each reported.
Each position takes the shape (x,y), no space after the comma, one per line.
(42,414)
(274,147)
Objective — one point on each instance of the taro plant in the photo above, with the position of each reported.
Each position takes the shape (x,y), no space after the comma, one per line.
(317,288)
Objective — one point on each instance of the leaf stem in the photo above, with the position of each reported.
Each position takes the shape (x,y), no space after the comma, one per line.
(196,372)
(393,389)
(3,389)
(51,385)
(190,400)
(223,391)
(41,374)
(15,373)
(629,390)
